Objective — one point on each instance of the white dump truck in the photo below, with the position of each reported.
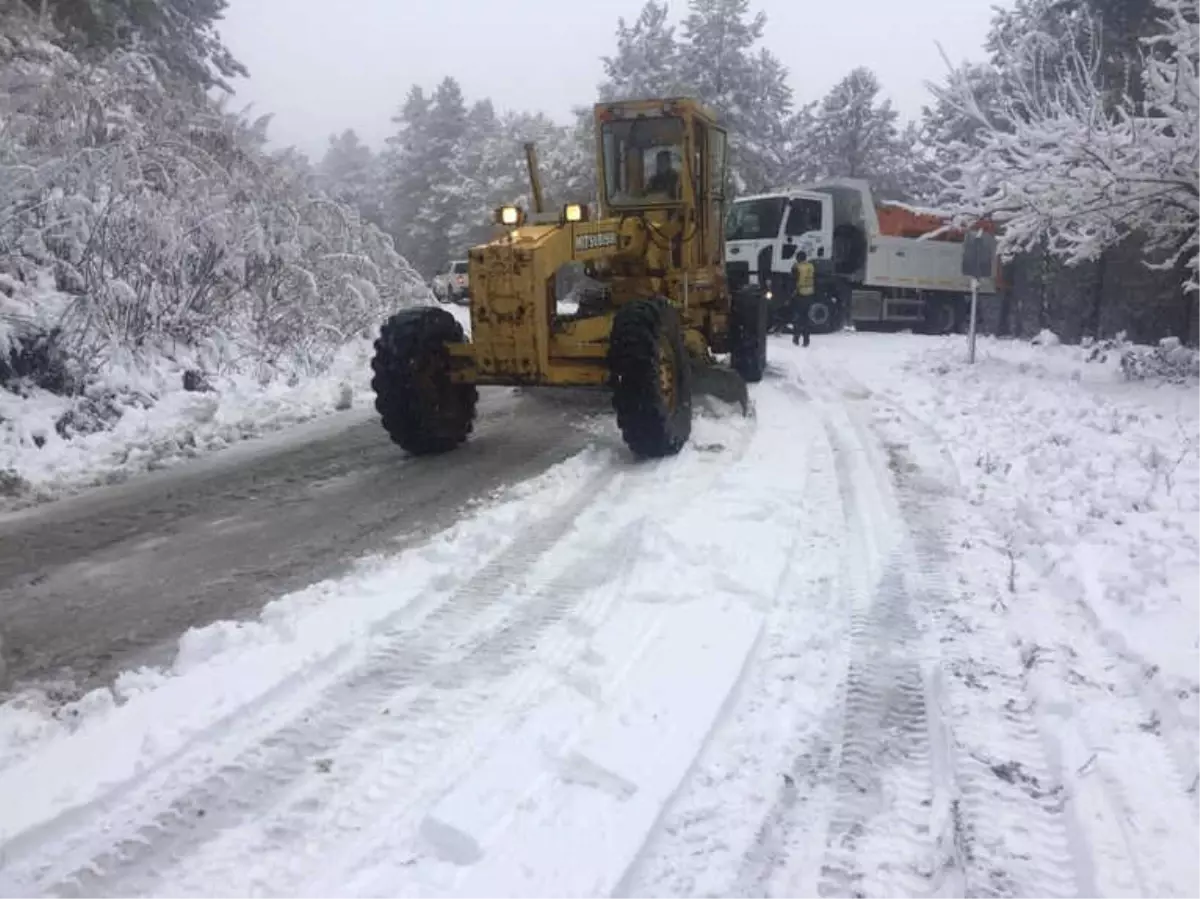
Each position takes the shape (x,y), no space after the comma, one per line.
(879,263)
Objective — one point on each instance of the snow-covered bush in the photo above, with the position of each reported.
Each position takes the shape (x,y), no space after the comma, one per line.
(1169,361)
(139,219)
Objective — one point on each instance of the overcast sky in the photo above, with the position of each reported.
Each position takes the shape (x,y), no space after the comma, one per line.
(322,66)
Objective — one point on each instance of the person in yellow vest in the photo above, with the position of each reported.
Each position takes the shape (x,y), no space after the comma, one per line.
(805,275)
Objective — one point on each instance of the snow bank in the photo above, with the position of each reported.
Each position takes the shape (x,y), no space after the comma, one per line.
(139,418)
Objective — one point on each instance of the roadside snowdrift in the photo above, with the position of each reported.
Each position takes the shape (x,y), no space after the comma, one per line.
(1082,505)
(1092,480)
(139,418)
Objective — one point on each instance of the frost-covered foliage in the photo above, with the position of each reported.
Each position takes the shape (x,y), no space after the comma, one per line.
(1069,160)
(173,37)
(136,215)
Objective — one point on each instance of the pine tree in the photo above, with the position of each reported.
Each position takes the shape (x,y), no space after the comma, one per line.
(178,37)
(349,173)
(448,200)
(646,61)
(747,90)
(406,178)
(856,135)
(716,60)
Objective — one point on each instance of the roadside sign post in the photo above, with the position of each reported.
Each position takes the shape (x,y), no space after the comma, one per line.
(974,318)
(979,253)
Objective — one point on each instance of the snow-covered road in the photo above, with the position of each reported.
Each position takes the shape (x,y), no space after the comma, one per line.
(800,658)
(107,580)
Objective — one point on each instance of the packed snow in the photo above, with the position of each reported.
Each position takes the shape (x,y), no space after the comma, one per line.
(911,627)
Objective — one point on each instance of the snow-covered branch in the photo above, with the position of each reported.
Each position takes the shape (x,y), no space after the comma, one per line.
(1062,157)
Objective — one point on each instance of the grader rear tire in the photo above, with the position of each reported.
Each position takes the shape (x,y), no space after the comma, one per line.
(422,410)
(651,378)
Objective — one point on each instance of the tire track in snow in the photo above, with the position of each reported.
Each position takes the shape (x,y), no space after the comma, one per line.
(392,769)
(828,763)
(405,830)
(999,804)
(749,757)
(92,847)
(879,838)
(421,716)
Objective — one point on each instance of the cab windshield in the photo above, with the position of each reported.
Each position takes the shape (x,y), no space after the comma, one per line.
(755,219)
(643,161)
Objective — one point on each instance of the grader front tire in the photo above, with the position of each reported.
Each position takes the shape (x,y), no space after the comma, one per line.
(651,378)
(421,409)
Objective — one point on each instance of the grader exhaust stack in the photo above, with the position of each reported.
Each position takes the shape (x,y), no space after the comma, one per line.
(650,335)
(535,180)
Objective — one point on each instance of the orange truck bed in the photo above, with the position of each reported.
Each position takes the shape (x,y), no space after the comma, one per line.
(902,220)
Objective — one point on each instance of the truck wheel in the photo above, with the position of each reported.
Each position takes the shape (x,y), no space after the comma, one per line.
(748,337)
(651,378)
(822,316)
(943,317)
(421,408)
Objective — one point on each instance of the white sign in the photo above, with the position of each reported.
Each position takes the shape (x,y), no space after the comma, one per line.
(595,241)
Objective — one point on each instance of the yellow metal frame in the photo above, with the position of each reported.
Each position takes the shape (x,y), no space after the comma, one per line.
(666,250)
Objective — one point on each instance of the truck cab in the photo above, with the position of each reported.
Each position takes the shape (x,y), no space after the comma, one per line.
(763,233)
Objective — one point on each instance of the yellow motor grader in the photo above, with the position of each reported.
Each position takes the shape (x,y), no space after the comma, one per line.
(650,325)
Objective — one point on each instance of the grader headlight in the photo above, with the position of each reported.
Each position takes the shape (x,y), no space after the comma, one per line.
(574,212)
(509,216)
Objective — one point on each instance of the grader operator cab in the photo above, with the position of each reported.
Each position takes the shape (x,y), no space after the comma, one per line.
(650,333)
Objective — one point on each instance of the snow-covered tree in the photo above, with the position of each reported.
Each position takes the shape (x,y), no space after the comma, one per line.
(176,37)
(1062,163)
(349,173)
(447,203)
(140,218)
(646,62)
(748,89)
(405,174)
(856,134)
(947,131)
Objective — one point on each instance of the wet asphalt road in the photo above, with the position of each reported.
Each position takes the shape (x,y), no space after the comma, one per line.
(97,583)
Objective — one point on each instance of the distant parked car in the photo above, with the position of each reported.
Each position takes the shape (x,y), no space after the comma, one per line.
(453,285)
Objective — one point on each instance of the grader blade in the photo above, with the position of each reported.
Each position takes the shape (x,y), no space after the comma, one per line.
(722,383)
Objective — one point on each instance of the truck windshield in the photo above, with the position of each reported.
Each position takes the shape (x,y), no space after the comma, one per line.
(755,219)
(643,161)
